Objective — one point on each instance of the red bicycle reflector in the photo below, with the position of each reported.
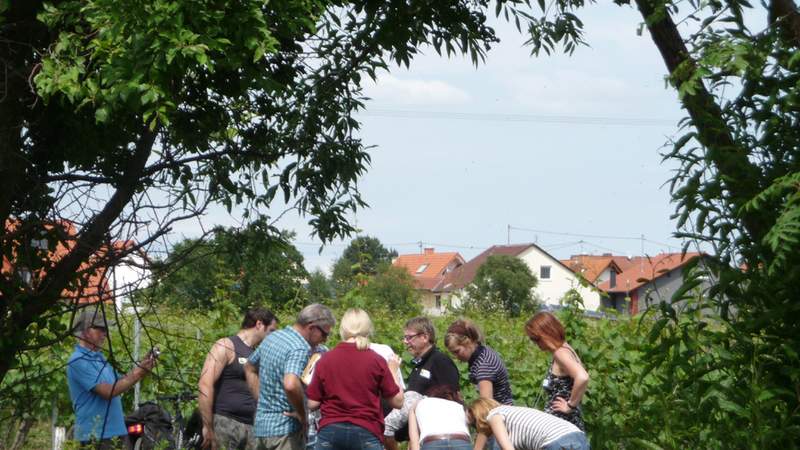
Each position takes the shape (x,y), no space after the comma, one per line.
(135,429)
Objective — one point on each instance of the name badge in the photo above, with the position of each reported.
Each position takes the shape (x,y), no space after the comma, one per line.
(425,373)
(242,361)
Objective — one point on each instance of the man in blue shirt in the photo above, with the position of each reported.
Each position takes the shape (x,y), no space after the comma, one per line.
(94,386)
(273,373)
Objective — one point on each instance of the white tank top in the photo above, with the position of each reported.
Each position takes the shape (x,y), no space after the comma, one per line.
(440,416)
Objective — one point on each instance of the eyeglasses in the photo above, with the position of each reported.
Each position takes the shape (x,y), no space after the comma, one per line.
(324,333)
(103,329)
(408,337)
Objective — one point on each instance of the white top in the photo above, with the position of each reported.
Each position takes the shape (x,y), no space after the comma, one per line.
(387,352)
(440,416)
(531,429)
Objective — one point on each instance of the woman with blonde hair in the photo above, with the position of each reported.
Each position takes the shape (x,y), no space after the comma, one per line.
(566,379)
(519,428)
(348,384)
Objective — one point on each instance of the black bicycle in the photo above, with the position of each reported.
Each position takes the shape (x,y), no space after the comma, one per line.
(152,426)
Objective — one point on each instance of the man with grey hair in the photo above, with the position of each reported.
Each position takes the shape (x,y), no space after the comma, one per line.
(95,387)
(430,368)
(273,374)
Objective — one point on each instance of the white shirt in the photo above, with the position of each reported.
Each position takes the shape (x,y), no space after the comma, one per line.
(387,352)
(440,416)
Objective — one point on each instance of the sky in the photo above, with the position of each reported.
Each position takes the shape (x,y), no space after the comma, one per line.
(564,149)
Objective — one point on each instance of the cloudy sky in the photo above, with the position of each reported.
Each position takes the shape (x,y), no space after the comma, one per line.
(564,149)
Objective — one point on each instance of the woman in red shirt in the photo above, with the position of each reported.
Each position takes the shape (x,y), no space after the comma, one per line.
(348,384)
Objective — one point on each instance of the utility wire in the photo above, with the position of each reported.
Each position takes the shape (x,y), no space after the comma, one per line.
(504,117)
(594,236)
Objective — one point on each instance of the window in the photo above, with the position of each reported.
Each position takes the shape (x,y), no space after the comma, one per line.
(438,302)
(422,268)
(26,276)
(612,279)
(544,272)
(41,244)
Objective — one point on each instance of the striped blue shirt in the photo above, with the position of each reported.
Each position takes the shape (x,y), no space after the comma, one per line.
(486,364)
(280,353)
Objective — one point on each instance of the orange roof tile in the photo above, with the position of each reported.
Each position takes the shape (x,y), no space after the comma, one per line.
(92,284)
(428,268)
(644,269)
(591,266)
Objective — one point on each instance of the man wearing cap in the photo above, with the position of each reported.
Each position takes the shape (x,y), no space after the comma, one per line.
(94,386)
(274,373)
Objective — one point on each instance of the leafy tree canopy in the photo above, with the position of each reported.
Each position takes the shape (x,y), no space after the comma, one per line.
(363,256)
(126,117)
(319,288)
(391,290)
(503,284)
(247,267)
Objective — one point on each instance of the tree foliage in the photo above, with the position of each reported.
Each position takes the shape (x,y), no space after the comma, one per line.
(363,256)
(736,192)
(125,118)
(503,284)
(319,289)
(247,267)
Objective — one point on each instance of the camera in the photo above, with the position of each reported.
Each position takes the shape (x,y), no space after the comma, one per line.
(155,352)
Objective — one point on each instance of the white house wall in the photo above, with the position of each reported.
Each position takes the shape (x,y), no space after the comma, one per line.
(561,280)
(127,276)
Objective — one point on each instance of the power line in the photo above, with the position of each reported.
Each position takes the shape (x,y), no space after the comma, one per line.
(593,236)
(504,117)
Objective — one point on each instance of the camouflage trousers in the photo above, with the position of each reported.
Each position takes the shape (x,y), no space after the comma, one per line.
(232,434)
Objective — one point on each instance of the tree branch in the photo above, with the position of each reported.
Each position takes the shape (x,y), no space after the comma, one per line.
(722,152)
(786,15)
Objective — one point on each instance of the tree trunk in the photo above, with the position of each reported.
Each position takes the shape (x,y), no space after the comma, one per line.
(786,15)
(22,433)
(24,309)
(722,152)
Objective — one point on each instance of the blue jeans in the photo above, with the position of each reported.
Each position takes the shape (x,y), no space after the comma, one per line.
(447,444)
(491,444)
(346,436)
(571,441)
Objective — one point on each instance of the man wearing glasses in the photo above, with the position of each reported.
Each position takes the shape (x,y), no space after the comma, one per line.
(95,387)
(273,374)
(430,368)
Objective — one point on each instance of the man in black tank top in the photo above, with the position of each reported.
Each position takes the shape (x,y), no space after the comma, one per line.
(225,402)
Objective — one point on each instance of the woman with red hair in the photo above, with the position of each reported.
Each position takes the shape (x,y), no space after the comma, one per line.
(566,379)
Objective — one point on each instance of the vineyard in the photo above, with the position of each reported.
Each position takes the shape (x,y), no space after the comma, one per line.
(640,396)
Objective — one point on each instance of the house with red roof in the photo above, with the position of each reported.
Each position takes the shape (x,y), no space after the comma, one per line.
(555,277)
(646,280)
(429,269)
(596,269)
(98,280)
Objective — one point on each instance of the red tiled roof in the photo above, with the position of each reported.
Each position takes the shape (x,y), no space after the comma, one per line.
(92,285)
(433,273)
(643,269)
(464,275)
(591,266)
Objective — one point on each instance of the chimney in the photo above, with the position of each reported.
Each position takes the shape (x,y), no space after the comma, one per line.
(606,254)
(428,250)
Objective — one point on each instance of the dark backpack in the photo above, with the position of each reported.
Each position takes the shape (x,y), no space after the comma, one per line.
(157,426)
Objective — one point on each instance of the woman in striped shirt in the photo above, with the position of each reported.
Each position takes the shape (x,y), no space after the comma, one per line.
(487,371)
(518,428)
